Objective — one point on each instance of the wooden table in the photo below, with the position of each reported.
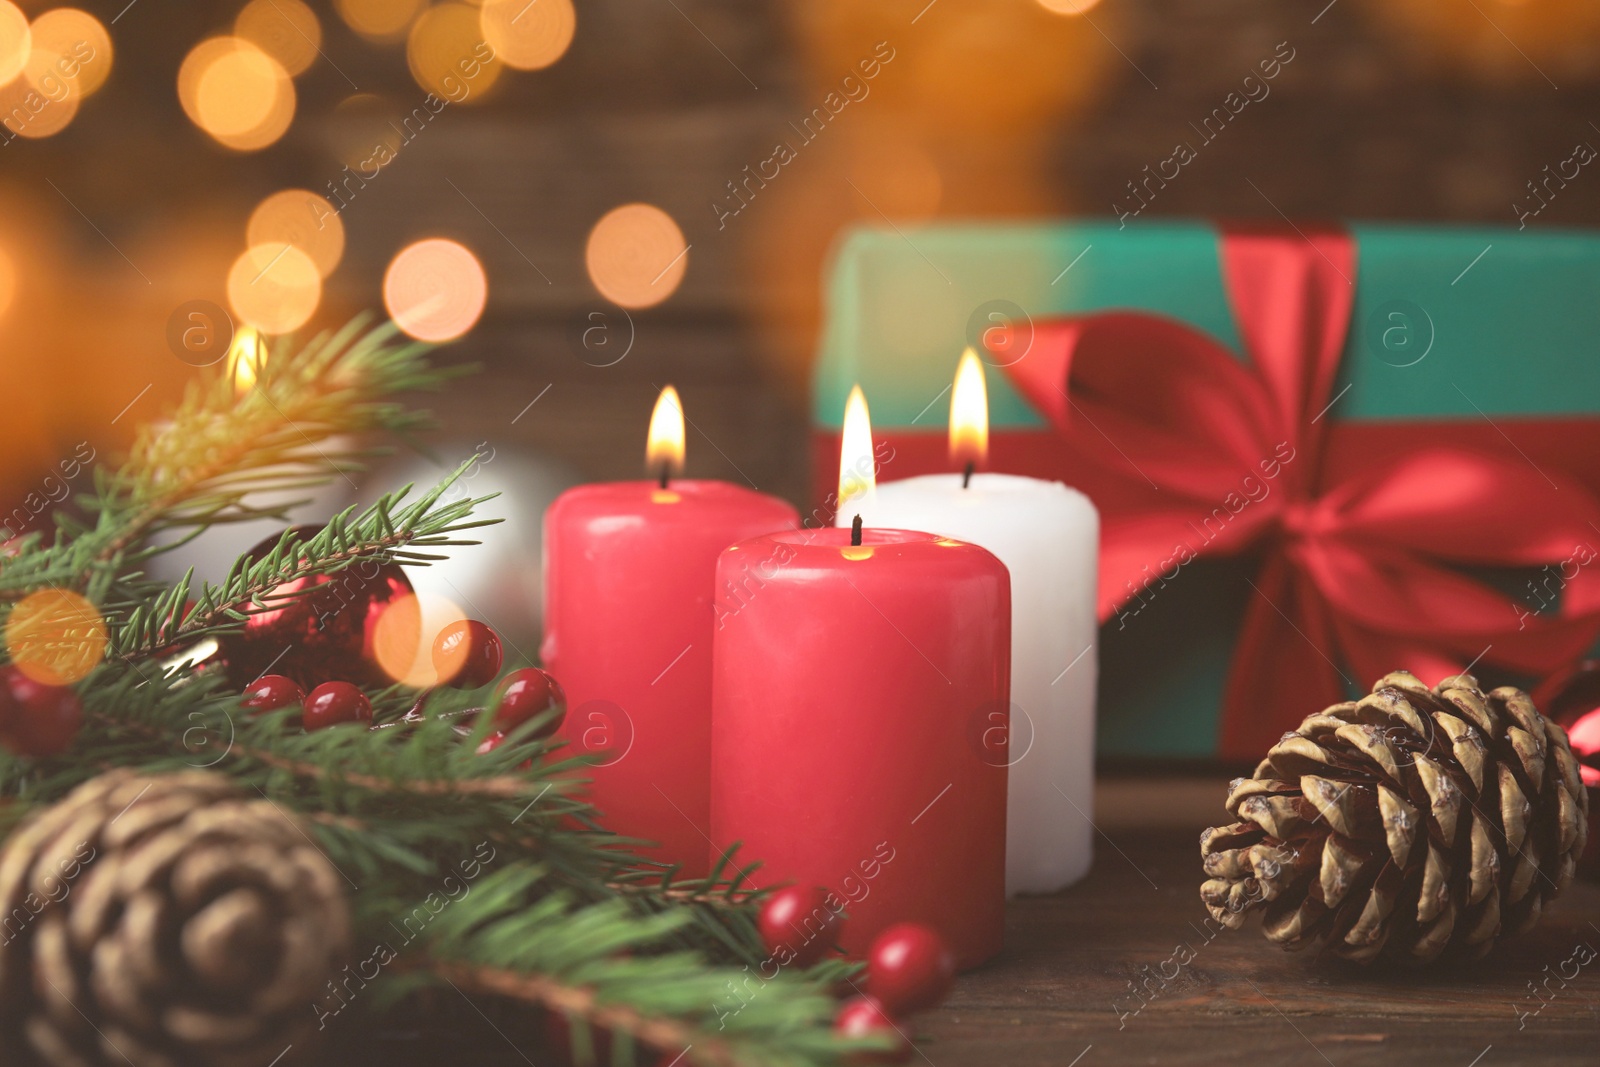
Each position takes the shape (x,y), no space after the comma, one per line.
(1063,991)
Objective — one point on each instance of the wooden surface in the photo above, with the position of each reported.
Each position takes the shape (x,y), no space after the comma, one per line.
(1061,993)
(1070,958)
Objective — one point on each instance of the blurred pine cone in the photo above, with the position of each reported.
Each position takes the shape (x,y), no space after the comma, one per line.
(164,921)
(1408,822)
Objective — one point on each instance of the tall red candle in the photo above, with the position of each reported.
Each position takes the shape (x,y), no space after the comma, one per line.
(852,741)
(629,570)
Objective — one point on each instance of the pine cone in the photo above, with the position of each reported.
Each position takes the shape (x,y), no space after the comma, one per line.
(1408,822)
(164,921)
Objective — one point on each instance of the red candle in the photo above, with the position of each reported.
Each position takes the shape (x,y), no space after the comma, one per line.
(852,739)
(629,617)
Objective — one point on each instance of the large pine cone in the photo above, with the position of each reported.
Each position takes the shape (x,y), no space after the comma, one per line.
(164,922)
(1411,821)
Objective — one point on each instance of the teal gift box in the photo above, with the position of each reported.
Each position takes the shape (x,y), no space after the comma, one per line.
(1440,506)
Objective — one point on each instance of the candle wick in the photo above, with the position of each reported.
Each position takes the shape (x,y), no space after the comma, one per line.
(966,478)
(666,472)
(855,531)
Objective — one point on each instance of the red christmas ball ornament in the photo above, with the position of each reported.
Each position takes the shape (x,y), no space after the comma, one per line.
(1572,698)
(332,703)
(326,634)
(909,968)
(526,693)
(797,925)
(467,654)
(866,1017)
(37,719)
(271,692)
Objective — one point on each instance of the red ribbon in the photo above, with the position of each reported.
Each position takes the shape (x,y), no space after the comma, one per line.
(1202,454)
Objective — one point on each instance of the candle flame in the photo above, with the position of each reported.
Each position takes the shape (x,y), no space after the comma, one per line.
(664,451)
(969,413)
(855,450)
(246,357)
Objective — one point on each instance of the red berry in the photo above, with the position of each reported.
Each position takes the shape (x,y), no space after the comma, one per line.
(271,692)
(467,655)
(909,968)
(526,693)
(866,1017)
(798,926)
(494,741)
(332,703)
(37,719)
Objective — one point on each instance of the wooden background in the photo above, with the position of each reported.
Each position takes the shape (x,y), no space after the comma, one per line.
(665,101)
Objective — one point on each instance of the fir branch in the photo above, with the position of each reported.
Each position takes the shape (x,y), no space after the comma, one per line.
(384,533)
(570,918)
(300,425)
(593,965)
(546,927)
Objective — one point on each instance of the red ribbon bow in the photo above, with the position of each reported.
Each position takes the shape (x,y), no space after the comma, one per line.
(1200,454)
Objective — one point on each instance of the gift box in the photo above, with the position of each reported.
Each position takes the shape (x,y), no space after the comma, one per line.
(1320,452)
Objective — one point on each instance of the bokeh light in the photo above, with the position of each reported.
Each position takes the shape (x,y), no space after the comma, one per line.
(41,102)
(237,93)
(528,35)
(55,636)
(274,288)
(378,20)
(81,42)
(303,219)
(16,41)
(636,255)
(287,30)
(448,55)
(435,290)
(1068,7)
(398,642)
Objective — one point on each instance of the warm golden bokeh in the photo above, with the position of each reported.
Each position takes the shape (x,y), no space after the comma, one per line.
(274,288)
(398,637)
(963,119)
(237,93)
(287,30)
(448,55)
(1068,7)
(528,34)
(16,41)
(41,102)
(83,44)
(55,636)
(378,20)
(303,219)
(636,255)
(435,289)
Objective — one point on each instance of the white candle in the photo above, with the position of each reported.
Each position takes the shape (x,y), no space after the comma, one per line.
(1048,536)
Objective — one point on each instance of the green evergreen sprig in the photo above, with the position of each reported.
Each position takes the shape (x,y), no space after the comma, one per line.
(565,917)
